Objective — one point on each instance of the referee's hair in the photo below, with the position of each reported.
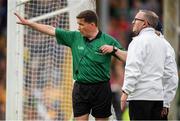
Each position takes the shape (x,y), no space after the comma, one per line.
(89,16)
(151,17)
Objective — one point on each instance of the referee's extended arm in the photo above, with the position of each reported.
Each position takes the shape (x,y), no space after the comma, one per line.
(46,29)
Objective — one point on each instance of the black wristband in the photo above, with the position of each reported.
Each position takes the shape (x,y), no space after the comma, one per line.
(115,49)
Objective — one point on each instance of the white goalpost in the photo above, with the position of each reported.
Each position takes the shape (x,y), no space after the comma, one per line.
(39,71)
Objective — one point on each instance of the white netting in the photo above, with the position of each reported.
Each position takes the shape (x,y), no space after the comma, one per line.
(47,67)
(47,79)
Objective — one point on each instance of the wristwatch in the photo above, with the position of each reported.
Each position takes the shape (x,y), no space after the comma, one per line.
(115,49)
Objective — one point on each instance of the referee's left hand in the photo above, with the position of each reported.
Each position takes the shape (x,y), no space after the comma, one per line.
(106,49)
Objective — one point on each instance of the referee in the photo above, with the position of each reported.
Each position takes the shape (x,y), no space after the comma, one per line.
(91,68)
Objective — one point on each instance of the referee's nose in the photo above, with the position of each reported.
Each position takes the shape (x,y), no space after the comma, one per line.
(79,28)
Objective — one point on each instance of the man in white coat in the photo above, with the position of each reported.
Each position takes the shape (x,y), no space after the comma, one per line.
(150,82)
(151,77)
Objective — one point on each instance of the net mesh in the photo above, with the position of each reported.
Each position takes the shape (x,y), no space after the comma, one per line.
(47,84)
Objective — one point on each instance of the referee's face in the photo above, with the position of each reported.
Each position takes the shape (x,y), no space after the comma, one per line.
(85,28)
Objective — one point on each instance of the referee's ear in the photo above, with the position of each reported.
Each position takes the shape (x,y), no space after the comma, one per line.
(93,24)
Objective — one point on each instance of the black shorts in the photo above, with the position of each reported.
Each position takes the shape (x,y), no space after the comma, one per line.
(92,98)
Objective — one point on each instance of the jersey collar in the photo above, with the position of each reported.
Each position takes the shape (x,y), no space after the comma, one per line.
(97,37)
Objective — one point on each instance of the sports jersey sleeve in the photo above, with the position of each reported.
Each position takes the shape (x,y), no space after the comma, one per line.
(65,37)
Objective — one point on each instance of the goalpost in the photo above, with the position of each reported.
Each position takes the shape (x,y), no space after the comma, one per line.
(39,71)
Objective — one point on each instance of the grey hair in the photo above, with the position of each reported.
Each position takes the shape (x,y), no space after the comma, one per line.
(151,17)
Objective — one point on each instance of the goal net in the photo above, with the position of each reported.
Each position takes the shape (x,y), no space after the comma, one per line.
(39,77)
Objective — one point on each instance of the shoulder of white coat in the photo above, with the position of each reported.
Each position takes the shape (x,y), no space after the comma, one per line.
(139,39)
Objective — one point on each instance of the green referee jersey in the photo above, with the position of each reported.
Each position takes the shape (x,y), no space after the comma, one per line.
(89,64)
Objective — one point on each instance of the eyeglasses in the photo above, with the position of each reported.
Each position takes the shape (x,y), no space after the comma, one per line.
(138,19)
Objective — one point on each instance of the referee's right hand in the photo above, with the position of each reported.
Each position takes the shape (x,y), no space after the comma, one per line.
(22,20)
(46,29)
